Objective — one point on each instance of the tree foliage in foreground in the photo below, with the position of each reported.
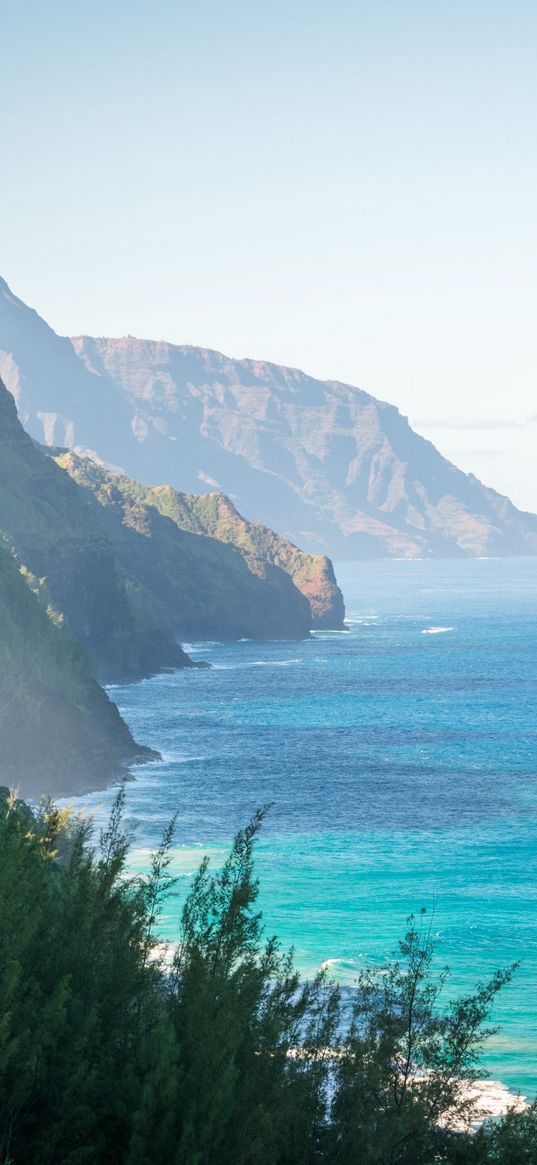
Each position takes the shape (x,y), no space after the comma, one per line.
(109,1055)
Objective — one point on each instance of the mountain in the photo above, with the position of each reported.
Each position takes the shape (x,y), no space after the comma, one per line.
(97,579)
(47,524)
(215,515)
(195,587)
(59,732)
(56,398)
(128,581)
(325,463)
(202,569)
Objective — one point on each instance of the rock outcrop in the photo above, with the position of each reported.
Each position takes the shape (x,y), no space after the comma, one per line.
(206,573)
(196,585)
(214,514)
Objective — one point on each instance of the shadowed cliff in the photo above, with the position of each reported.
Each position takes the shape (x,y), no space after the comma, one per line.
(59,732)
(47,524)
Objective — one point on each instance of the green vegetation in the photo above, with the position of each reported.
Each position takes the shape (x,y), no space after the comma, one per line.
(57,726)
(213,514)
(121,564)
(115,583)
(195,585)
(47,524)
(223,1057)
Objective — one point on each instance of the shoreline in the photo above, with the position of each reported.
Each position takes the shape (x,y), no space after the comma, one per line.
(490,1099)
(486,1099)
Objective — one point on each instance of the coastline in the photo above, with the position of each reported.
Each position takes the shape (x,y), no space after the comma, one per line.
(489,1100)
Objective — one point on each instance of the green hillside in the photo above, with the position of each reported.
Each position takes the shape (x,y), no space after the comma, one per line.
(58,730)
(215,515)
(195,586)
(99,579)
(48,525)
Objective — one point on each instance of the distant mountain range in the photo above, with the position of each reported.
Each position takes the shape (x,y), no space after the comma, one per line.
(327,465)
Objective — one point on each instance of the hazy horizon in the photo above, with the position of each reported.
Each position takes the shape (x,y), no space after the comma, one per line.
(350,193)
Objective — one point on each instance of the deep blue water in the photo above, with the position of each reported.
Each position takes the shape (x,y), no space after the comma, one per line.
(401,757)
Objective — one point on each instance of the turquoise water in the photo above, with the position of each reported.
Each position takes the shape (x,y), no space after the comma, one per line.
(401,757)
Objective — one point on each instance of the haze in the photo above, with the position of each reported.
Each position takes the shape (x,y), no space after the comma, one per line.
(347,188)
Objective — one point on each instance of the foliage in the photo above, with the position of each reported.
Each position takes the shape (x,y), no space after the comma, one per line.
(511,1141)
(48,525)
(109,1054)
(408,1058)
(206,570)
(54,717)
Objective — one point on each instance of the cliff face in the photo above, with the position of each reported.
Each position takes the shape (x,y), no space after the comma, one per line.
(129,573)
(47,524)
(196,586)
(59,732)
(323,462)
(58,400)
(214,515)
(328,465)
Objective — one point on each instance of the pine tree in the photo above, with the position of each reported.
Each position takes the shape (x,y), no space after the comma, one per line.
(108,1056)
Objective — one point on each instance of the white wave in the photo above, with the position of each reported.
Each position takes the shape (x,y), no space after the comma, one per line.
(254,663)
(200,644)
(437,630)
(343,964)
(179,758)
(326,634)
(352,619)
(274,662)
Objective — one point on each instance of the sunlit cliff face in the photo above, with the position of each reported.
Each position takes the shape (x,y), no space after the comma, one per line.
(325,464)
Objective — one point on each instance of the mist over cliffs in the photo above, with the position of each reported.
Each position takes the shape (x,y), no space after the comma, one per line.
(327,465)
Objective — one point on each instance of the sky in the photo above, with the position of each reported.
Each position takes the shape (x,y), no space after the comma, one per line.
(350,188)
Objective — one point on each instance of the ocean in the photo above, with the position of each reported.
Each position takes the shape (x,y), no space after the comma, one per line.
(400,762)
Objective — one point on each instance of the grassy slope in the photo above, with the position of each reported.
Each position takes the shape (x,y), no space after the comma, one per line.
(222,562)
(59,731)
(198,587)
(214,514)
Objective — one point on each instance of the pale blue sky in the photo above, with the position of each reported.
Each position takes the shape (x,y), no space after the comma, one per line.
(347,187)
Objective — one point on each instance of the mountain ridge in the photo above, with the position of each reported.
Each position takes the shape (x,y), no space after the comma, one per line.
(328,465)
(76,551)
(99,588)
(196,586)
(364,441)
(47,525)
